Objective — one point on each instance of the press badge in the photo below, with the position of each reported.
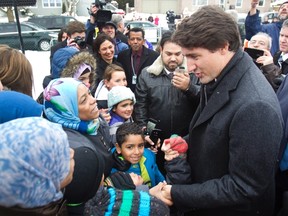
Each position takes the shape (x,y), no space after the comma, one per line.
(134,79)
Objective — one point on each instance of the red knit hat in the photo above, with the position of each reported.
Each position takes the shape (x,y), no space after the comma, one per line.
(177,143)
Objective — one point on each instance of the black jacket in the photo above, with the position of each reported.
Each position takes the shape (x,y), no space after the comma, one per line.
(147,58)
(284,68)
(158,99)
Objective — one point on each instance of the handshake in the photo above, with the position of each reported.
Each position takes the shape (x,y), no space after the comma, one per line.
(174,143)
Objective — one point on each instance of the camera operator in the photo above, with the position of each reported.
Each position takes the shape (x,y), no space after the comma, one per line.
(94,7)
(75,37)
(170,17)
(91,23)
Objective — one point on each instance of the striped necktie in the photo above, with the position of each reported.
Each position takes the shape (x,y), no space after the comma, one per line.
(280,61)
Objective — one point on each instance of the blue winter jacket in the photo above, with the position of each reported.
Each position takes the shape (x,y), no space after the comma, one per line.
(253,26)
(149,161)
(120,46)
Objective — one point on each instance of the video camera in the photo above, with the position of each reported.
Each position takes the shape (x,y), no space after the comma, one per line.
(171,16)
(101,16)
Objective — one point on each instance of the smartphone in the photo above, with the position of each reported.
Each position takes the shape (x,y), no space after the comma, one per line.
(254,54)
(154,136)
(152,131)
(180,70)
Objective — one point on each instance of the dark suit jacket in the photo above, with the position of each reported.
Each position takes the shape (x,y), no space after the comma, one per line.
(147,58)
(284,68)
(233,146)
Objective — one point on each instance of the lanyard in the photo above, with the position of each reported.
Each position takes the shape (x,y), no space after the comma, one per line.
(132,65)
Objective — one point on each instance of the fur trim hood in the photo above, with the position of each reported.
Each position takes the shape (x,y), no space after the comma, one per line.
(157,67)
(76,60)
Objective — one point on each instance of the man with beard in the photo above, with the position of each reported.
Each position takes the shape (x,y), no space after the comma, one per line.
(165,94)
(137,57)
(253,24)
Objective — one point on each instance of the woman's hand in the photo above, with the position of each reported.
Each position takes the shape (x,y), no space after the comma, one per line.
(106,115)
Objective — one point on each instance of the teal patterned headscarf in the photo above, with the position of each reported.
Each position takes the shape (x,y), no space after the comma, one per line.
(61,106)
(34,160)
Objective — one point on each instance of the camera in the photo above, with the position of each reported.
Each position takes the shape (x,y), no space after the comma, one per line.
(80,42)
(254,54)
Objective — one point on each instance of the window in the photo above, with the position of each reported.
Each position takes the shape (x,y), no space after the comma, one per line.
(199,2)
(222,4)
(261,3)
(9,28)
(26,28)
(52,3)
(238,3)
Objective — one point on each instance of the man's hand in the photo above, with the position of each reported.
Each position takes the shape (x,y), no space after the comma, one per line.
(266,59)
(181,80)
(162,191)
(170,154)
(71,42)
(93,11)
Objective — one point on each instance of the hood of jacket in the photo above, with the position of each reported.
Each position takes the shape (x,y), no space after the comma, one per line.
(157,67)
(76,60)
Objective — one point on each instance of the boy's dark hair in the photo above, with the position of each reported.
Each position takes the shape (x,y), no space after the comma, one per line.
(126,129)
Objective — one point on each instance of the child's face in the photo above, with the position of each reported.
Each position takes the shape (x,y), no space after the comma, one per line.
(132,149)
(124,109)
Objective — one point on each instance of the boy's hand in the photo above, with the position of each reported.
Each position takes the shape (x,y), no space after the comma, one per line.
(152,146)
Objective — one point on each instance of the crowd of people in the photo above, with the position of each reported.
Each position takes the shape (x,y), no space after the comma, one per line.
(198,127)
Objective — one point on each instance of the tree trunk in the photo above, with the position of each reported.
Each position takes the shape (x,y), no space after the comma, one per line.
(10,14)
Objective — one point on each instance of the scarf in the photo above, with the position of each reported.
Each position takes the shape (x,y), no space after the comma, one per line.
(34,160)
(61,106)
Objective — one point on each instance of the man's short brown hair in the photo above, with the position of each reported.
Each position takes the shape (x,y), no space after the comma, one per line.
(210,28)
(75,26)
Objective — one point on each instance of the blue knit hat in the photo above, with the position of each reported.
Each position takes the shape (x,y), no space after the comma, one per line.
(60,59)
(118,94)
